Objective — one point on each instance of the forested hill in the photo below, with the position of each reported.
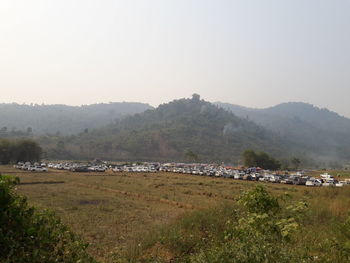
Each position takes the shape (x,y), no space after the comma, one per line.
(16,119)
(185,129)
(322,134)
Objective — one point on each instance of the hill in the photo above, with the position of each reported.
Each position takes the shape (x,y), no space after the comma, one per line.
(16,119)
(185,129)
(319,133)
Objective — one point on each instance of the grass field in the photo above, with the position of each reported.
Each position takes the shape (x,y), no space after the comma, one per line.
(113,211)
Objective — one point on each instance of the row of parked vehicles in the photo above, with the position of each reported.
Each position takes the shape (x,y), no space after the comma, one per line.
(88,167)
(35,167)
(79,167)
(250,174)
(256,174)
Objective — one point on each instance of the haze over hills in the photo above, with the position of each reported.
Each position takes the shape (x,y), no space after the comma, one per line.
(185,129)
(320,133)
(63,119)
(320,118)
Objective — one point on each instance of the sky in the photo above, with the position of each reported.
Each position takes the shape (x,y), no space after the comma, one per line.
(252,53)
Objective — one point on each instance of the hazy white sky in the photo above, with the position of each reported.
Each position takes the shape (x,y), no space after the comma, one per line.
(253,53)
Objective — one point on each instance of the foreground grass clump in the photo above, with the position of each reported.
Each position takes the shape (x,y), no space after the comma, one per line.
(263,232)
(257,228)
(29,235)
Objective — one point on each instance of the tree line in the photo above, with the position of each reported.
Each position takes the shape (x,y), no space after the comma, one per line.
(260,159)
(13,151)
(6,133)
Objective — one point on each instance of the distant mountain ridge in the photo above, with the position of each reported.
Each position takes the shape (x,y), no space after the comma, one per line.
(319,118)
(317,132)
(170,132)
(183,130)
(63,119)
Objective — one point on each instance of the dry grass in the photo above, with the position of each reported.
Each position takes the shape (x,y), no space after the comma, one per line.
(112,211)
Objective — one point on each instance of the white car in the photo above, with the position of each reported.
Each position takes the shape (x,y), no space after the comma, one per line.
(313,182)
(31,168)
(100,169)
(117,169)
(40,169)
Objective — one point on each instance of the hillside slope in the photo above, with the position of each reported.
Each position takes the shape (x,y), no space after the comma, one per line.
(319,133)
(172,130)
(63,119)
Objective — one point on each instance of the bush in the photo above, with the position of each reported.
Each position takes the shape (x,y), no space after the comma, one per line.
(31,236)
(259,201)
(262,232)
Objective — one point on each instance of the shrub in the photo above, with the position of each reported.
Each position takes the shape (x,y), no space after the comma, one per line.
(261,233)
(259,200)
(33,236)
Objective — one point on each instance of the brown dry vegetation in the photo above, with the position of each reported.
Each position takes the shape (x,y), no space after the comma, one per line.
(114,211)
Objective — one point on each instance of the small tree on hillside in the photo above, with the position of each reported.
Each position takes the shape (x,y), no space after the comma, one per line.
(249,158)
(261,159)
(196,96)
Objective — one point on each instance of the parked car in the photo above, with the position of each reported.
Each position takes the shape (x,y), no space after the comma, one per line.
(40,169)
(80,169)
(117,169)
(313,182)
(299,180)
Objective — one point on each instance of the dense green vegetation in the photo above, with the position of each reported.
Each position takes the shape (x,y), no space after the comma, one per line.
(19,150)
(183,130)
(28,235)
(27,120)
(260,159)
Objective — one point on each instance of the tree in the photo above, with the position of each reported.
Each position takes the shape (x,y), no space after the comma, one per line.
(6,151)
(196,97)
(261,159)
(249,158)
(26,150)
(267,162)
